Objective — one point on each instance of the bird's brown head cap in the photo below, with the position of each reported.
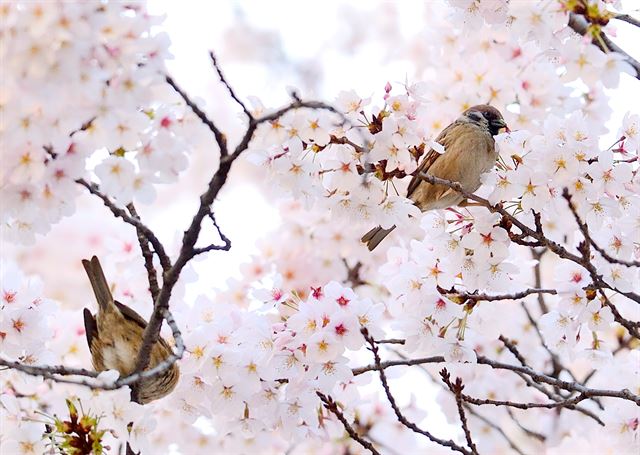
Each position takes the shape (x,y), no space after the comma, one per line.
(490,114)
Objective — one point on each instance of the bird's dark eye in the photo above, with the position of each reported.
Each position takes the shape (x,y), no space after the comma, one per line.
(475,116)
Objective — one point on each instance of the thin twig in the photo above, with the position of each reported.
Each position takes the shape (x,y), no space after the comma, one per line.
(332,406)
(474,297)
(570,386)
(528,431)
(471,410)
(584,229)
(401,418)
(529,382)
(494,426)
(147,254)
(221,139)
(627,18)
(512,349)
(229,88)
(227,243)
(135,222)
(457,389)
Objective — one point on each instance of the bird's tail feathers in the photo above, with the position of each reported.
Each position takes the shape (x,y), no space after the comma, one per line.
(375,236)
(98,283)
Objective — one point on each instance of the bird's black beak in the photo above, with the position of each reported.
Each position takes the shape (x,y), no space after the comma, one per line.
(498,124)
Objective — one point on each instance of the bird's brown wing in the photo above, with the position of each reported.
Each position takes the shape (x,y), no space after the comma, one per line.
(90,326)
(130,314)
(430,158)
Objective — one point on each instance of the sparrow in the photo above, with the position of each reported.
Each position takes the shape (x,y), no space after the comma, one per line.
(470,151)
(114,336)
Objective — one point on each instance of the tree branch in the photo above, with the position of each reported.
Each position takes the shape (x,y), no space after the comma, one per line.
(229,88)
(580,25)
(213,246)
(587,237)
(457,389)
(221,139)
(135,222)
(147,254)
(528,371)
(331,405)
(401,418)
(627,18)
(476,297)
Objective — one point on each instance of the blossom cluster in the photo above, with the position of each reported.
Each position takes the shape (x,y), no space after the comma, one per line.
(83,83)
(321,159)
(285,351)
(25,317)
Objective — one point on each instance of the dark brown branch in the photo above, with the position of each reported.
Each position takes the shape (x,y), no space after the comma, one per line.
(533,434)
(147,254)
(135,222)
(627,18)
(39,370)
(344,140)
(537,271)
(512,349)
(457,389)
(587,237)
(580,25)
(391,341)
(631,326)
(401,418)
(229,88)
(584,249)
(538,377)
(226,242)
(221,139)
(353,274)
(332,406)
(463,297)
(472,411)
(527,380)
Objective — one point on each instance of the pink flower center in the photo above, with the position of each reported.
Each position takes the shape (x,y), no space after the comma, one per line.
(165,122)
(341,329)
(276,294)
(316,292)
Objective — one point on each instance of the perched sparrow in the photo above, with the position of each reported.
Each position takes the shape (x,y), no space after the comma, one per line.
(469,152)
(115,334)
